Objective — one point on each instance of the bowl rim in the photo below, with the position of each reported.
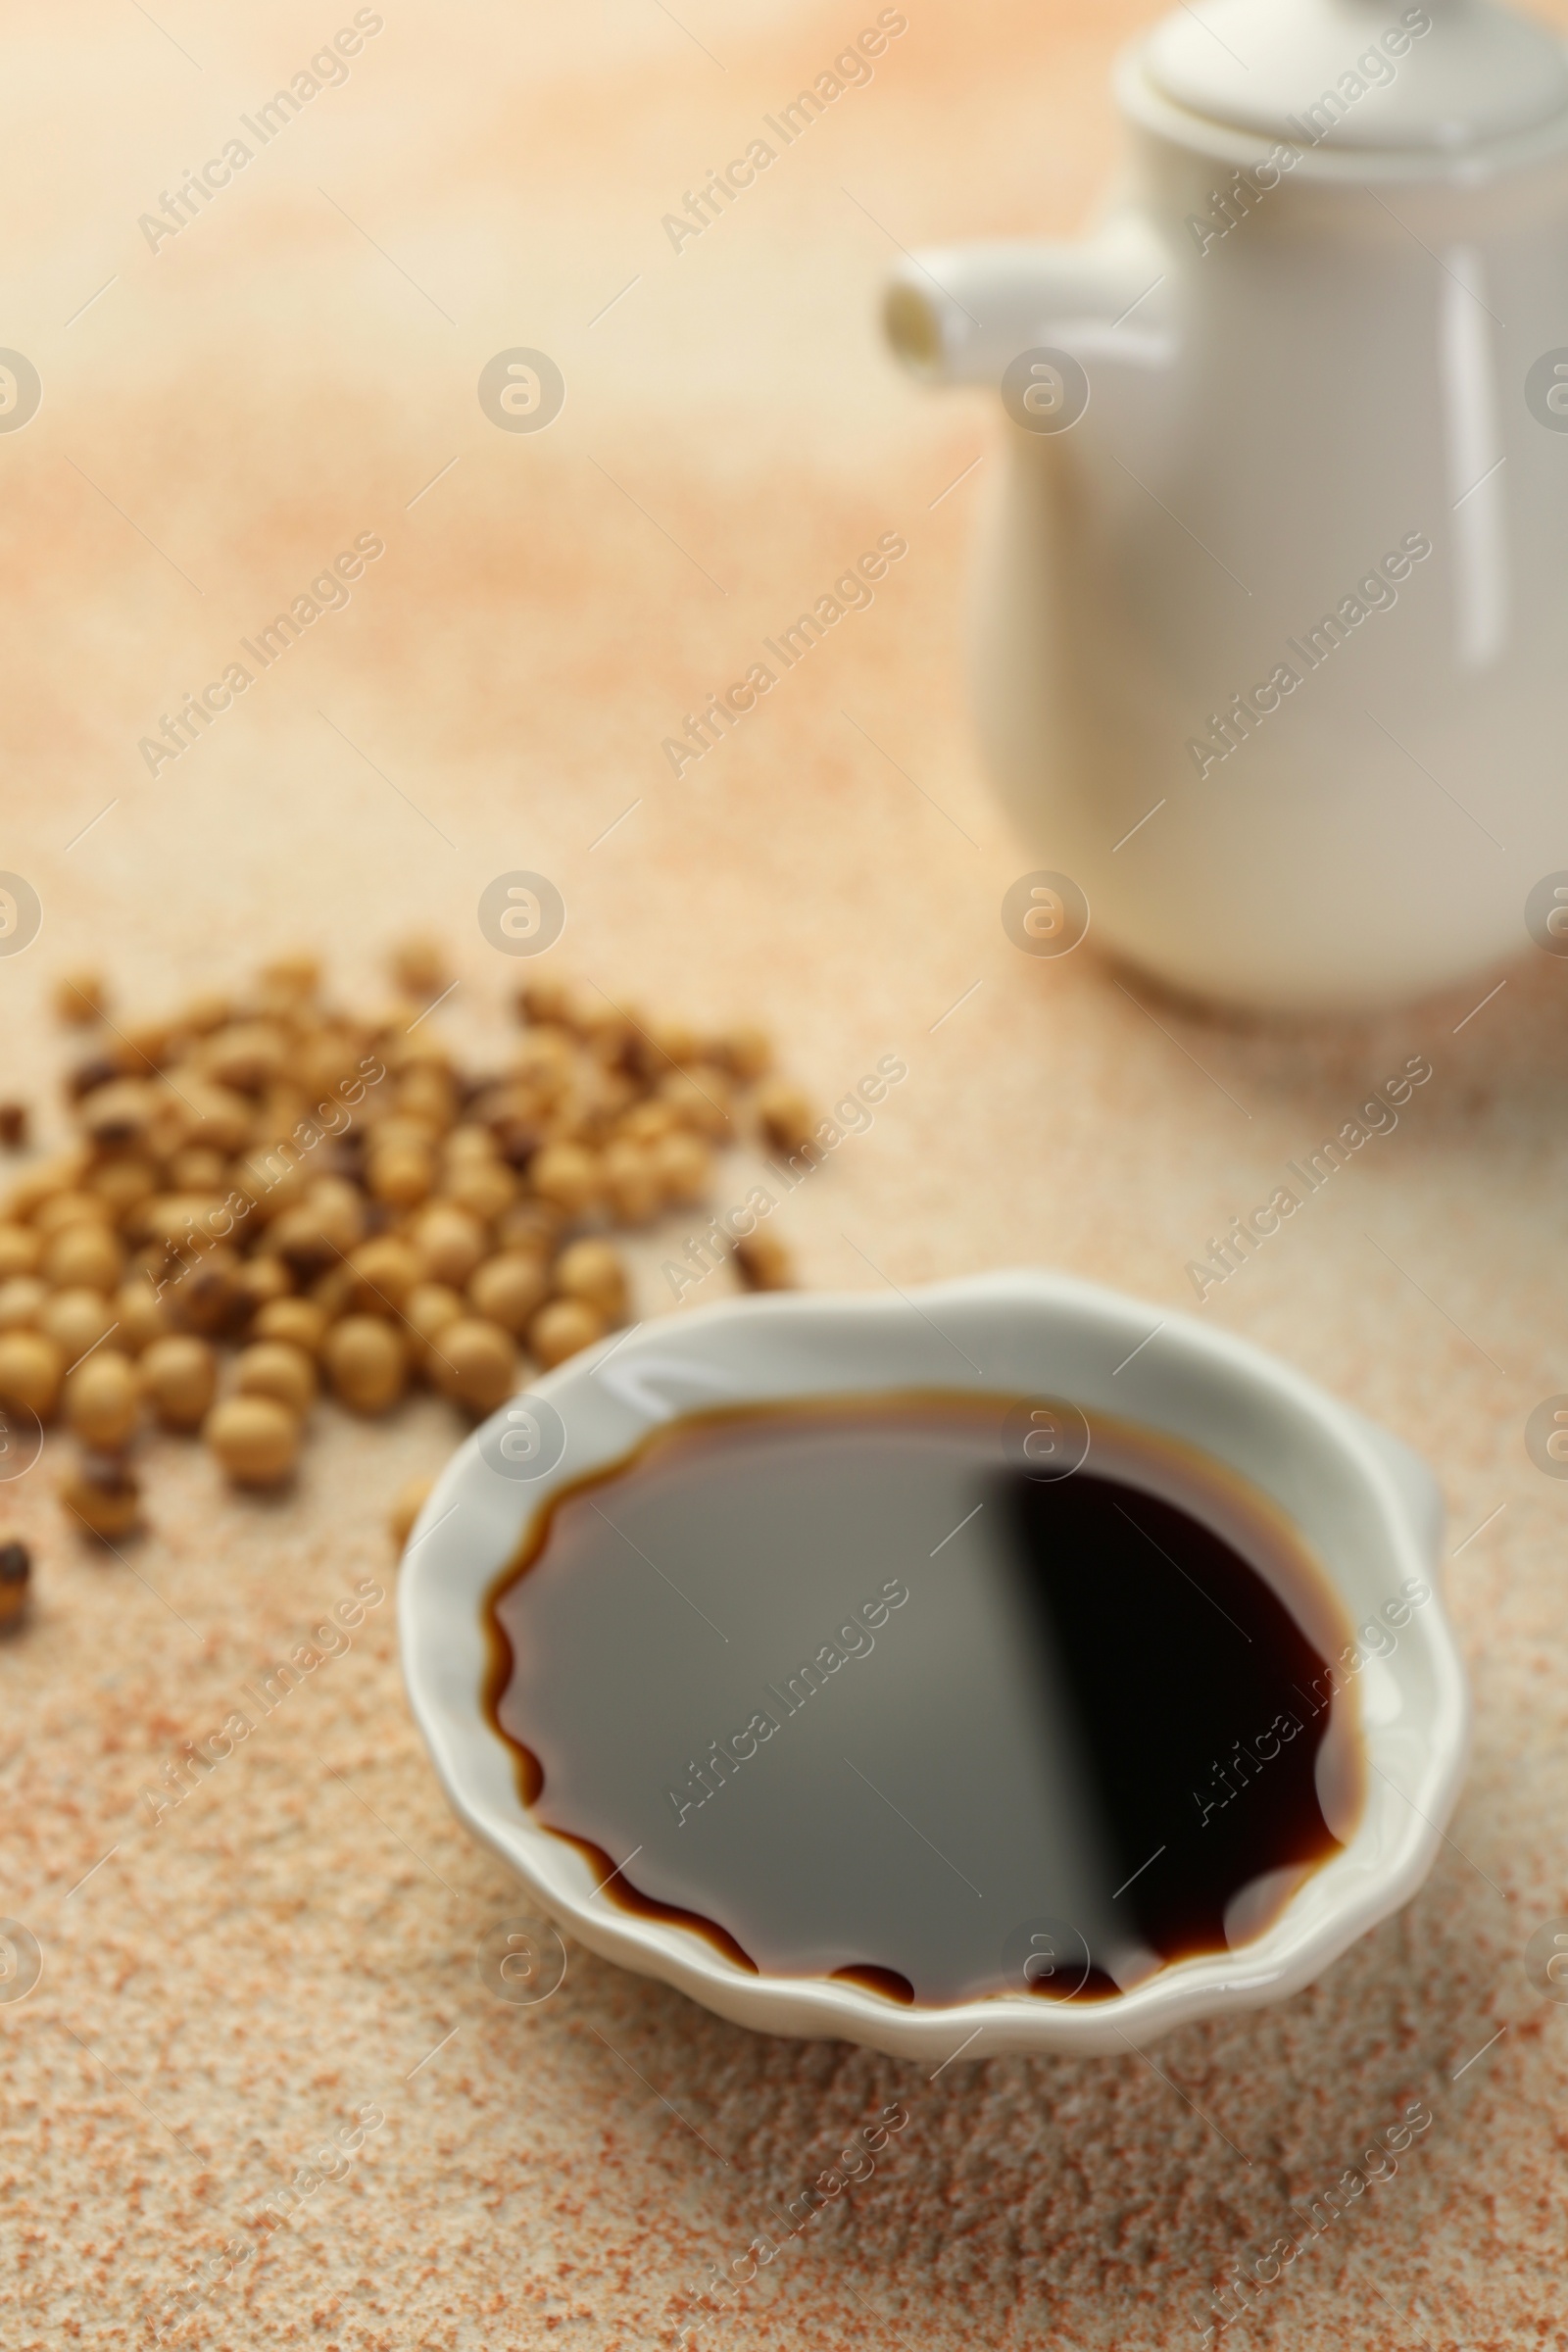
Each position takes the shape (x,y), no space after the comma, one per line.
(436,1635)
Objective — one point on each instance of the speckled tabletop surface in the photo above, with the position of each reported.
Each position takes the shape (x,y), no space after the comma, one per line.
(225,408)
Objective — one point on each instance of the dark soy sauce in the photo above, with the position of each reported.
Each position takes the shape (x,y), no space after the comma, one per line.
(845,1688)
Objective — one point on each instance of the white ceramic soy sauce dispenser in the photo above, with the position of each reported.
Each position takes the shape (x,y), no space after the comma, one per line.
(1270,631)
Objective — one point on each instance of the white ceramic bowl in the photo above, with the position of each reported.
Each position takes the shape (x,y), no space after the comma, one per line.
(1367,1505)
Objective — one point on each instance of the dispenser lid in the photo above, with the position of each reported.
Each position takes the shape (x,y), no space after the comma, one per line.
(1361,74)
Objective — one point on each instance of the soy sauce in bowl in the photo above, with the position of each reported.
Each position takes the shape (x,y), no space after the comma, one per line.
(881,1688)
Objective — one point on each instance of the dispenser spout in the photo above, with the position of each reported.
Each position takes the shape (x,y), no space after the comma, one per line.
(960,313)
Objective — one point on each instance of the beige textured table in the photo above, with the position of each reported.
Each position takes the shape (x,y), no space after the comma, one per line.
(223,409)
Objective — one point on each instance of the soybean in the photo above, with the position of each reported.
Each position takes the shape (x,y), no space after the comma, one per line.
(256,1440)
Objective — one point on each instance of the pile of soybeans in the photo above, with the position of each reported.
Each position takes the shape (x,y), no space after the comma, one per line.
(271,1195)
